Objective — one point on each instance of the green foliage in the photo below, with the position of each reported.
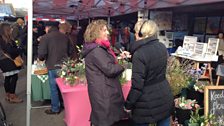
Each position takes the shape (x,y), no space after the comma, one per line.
(122,77)
(72,70)
(200,85)
(197,120)
(122,80)
(177,74)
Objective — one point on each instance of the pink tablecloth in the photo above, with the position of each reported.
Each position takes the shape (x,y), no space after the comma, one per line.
(76,102)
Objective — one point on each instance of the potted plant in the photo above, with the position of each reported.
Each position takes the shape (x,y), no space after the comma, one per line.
(196,91)
(183,108)
(178,74)
(197,120)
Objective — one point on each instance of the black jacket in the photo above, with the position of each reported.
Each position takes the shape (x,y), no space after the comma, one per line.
(11,50)
(104,88)
(54,47)
(150,97)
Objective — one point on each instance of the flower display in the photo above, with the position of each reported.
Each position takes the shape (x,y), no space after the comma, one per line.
(183,103)
(195,74)
(177,74)
(197,120)
(73,71)
(200,85)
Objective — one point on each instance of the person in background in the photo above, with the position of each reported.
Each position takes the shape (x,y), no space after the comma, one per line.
(66,28)
(10,70)
(74,34)
(221,44)
(17,29)
(35,42)
(125,38)
(102,73)
(54,47)
(150,99)
(19,34)
(220,53)
(41,28)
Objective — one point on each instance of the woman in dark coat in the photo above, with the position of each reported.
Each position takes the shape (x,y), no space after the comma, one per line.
(102,73)
(150,99)
(10,70)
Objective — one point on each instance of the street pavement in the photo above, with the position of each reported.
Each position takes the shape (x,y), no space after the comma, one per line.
(16,113)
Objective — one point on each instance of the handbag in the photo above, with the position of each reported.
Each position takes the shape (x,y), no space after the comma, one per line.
(18,60)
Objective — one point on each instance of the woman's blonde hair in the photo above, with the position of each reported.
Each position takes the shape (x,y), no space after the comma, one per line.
(93,30)
(147,28)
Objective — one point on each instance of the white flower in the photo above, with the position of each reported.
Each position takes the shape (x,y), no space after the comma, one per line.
(63,73)
(196,87)
(181,104)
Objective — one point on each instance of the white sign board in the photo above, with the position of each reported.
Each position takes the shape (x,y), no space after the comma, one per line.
(213,44)
(200,49)
(189,43)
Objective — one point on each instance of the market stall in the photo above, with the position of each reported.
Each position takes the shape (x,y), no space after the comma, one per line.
(87,9)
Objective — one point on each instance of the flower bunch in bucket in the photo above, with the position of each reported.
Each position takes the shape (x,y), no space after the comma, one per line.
(184,103)
(73,71)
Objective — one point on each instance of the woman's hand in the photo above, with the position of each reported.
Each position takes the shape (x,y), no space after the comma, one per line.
(126,110)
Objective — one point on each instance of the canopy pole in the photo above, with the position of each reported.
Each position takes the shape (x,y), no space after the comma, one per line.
(108,18)
(108,21)
(29,60)
(77,23)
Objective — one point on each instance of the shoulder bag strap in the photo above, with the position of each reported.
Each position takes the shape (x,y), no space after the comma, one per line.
(7,56)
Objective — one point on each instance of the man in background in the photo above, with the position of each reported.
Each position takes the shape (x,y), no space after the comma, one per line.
(54,47)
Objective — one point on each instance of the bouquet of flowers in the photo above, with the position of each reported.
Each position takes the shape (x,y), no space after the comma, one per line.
(126,75)
(183,103)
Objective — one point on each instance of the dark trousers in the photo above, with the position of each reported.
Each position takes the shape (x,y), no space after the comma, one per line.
(10,83)
(126,122)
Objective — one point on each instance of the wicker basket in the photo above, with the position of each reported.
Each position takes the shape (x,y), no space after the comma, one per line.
(41,71)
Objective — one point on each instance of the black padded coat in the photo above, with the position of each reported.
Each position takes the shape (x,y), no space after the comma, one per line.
(150,97)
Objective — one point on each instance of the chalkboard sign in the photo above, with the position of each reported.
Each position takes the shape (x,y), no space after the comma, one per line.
(214,102)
